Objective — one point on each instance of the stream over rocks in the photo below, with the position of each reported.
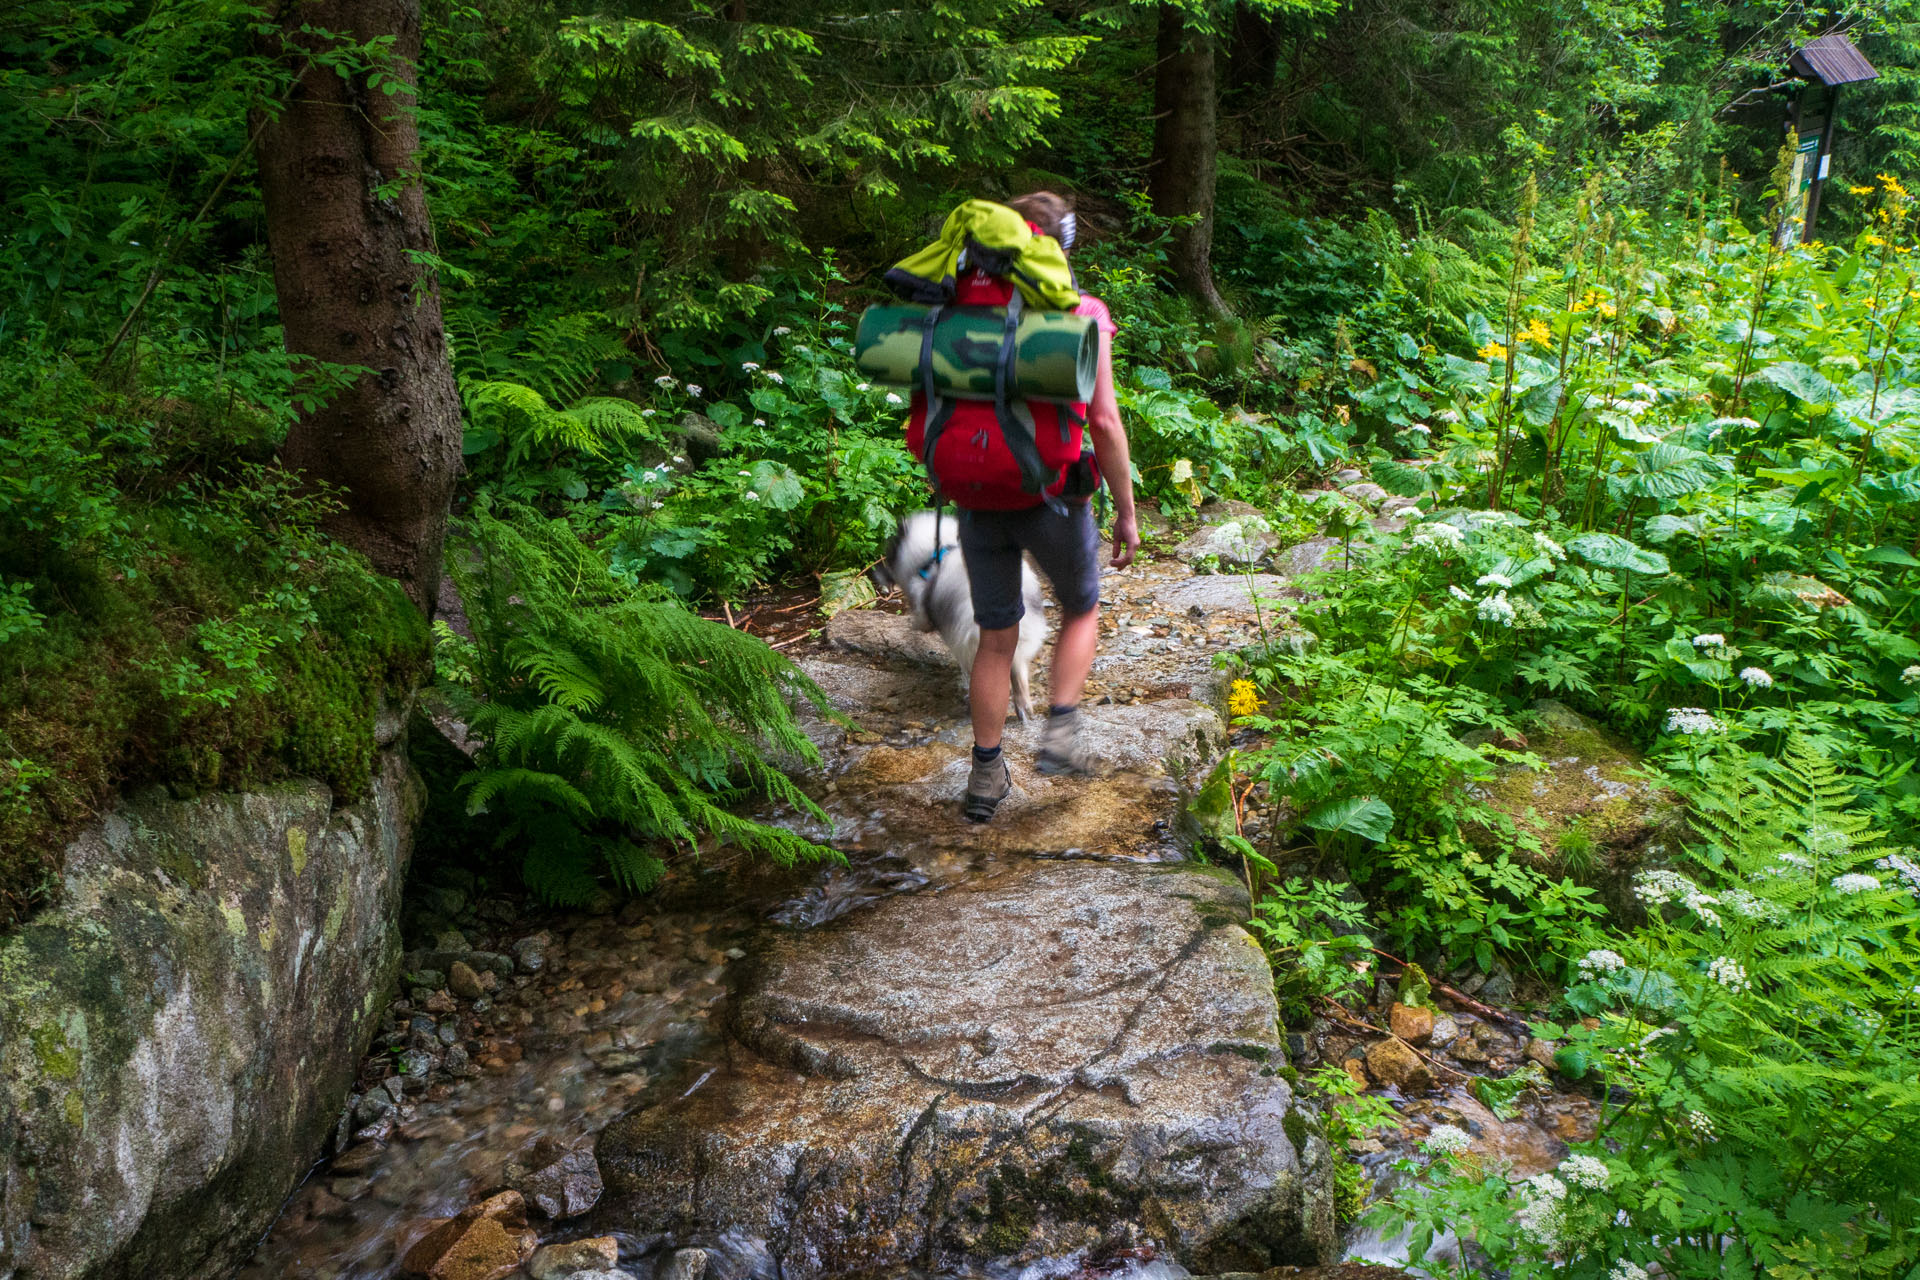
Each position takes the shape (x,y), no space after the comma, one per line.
(1041,1047)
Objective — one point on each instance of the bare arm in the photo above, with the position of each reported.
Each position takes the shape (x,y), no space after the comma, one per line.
(1110,452)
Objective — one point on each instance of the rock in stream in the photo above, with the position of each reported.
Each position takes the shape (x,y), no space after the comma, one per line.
(1037,1059)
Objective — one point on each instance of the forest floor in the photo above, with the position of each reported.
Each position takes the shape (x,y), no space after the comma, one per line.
(524,1033)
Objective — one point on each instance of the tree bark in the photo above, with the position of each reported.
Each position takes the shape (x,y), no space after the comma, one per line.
(1186,152)
(339,172)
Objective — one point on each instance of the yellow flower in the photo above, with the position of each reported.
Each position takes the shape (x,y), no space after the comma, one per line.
(1242,699)
(1493,351)
(1892,184)
(1859,191)
(1537,333)
(1872,239)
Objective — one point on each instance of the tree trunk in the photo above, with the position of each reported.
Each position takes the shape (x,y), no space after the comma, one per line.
(339,171)
(1186,152)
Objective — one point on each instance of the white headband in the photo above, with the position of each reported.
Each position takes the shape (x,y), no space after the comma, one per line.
(1066,230)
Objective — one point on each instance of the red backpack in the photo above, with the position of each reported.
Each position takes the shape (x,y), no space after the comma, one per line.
(972,465)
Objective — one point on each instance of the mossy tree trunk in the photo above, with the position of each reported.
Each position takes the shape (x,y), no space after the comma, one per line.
(1186,148)
(346,217)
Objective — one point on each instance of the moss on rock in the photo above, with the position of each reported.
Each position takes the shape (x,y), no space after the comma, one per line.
(103,699)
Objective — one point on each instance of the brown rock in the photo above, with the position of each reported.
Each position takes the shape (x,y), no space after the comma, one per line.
(596,1253)
(1542,1051)
(1357,1071)
(1411,1022)
(463,981)
(1393,1062)
(487,1241)
(484,1251)
(357,1159)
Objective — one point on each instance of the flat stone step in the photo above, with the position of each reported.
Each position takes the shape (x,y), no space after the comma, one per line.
(1037,1057)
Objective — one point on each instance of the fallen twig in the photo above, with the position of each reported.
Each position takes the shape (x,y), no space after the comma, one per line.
(1461,998)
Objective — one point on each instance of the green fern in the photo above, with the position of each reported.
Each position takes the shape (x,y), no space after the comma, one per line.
(531,427)
(616,726)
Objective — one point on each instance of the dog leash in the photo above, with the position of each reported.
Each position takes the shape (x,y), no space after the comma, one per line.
(939,547)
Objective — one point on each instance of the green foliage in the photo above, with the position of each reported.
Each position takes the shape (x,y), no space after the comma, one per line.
(617,727)
(1758,1039)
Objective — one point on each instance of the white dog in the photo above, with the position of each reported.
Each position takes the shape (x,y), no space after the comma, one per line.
(933,577)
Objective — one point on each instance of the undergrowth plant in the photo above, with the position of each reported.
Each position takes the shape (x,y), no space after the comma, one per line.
(1756,1046)
(618,728)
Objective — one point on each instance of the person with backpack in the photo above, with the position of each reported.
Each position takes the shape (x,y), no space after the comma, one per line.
(1020,475)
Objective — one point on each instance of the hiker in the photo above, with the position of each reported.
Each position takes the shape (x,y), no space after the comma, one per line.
(1056,527)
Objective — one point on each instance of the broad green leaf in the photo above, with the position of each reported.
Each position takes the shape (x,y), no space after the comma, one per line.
(1670,471)
(1891,555)
(778,485)
(1800,381)
(1610,551)
(1366,816)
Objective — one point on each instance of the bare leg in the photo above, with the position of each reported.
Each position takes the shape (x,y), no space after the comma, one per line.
(1072,659)
(992,683)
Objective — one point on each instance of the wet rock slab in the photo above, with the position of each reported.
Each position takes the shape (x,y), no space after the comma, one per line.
(1038,1056)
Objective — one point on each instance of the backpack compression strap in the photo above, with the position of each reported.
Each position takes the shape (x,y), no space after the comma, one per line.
(1016,417)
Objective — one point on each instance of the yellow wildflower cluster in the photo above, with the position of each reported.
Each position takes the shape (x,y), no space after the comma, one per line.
(1493,351)
(1893,187)
(1242,699)
(1859,191)
(1537,333)
(1595,301)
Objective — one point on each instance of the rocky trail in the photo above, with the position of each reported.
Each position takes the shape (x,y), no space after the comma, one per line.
(1043,1047)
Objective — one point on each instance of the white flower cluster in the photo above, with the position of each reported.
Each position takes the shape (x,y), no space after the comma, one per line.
(1657,888)
(1692,720)
(1460,593)
(1541,1218)
(1601,961)
(748,366)
(1625,1270)
(1793,859)
(894,398)
(771,376)
(1548,547)
(1906,868)
(1746,905)
(1439,538)
(1448,1140)
(1702,1125)
(695,389)
(1756,678)
(1825,842)
(1855,882)
(1911,676)
(864,386)
(1499,580)
(1586,1172)
(781,331)
(1710,640)
(1729,973)
(1496,609)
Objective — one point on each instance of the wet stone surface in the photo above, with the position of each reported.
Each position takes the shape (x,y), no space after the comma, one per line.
(1036,1044)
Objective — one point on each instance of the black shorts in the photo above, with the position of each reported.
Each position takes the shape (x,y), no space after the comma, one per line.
(1065,546)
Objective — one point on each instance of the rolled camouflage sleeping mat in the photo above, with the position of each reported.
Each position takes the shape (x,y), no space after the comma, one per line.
(1055,354)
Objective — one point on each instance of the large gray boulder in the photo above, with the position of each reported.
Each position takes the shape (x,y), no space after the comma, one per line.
(1041,1056)
(178,1035)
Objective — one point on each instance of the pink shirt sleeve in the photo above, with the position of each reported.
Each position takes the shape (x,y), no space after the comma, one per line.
(1102,318)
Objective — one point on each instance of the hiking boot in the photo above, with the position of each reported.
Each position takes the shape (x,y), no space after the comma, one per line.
(1063,745)
(987,786)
